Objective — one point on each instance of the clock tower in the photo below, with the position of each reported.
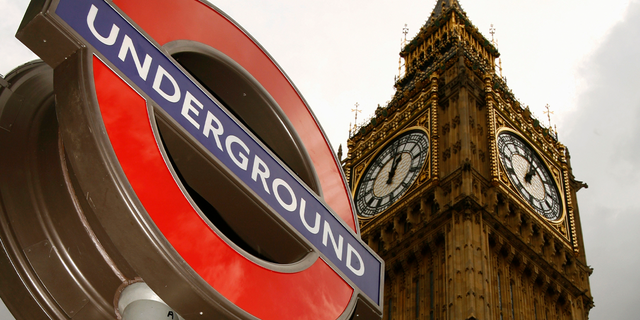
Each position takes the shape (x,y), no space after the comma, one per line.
(468,198)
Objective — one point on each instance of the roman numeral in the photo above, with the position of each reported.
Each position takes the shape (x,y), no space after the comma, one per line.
(367,179)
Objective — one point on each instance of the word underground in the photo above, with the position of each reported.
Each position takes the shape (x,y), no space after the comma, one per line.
(123,46)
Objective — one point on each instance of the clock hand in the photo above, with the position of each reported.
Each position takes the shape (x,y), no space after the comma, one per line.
(394,165)
(530,174)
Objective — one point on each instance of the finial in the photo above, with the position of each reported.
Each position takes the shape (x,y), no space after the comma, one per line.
(340,152)
(356,111)
(494,40)
(553,129)
(403,43)
(548,113)
(405,30)
(492,31)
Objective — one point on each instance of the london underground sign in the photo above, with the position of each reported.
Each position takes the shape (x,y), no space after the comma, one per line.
(116,84)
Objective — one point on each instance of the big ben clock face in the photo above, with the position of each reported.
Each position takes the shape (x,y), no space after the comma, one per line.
(529,175)
(391,173)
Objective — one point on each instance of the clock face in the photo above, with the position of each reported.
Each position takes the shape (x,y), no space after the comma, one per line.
(529,175)
(391,173)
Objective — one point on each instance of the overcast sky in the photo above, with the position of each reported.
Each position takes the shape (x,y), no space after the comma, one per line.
(578,56)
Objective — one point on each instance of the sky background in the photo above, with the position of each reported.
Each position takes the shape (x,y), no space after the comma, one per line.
(578,56)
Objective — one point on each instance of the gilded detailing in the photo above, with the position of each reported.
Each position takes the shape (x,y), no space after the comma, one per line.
(491,119)
(434,127)
(462,243)
(511,114)
(434,38)
(567,192)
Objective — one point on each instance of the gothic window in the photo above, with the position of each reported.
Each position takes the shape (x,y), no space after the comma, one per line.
(535,309)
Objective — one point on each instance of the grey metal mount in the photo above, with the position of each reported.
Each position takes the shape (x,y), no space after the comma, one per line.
(138,302)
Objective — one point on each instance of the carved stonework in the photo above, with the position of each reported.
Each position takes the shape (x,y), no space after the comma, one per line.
(463,219)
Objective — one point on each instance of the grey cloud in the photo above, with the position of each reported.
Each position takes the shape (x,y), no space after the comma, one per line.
(604,139)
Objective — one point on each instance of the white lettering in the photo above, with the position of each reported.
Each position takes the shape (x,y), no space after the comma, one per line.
(160,74)
(316,228)
(264,173)
(188,106)
(127,46)
(352,251)
(91,19)
(217,131)
(336,247)
(279,182)
(243,162)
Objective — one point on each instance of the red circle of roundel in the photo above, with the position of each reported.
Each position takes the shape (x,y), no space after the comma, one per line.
(193,20)
(251,287)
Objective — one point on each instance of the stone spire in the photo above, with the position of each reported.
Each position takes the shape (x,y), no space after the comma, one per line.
(442,6)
